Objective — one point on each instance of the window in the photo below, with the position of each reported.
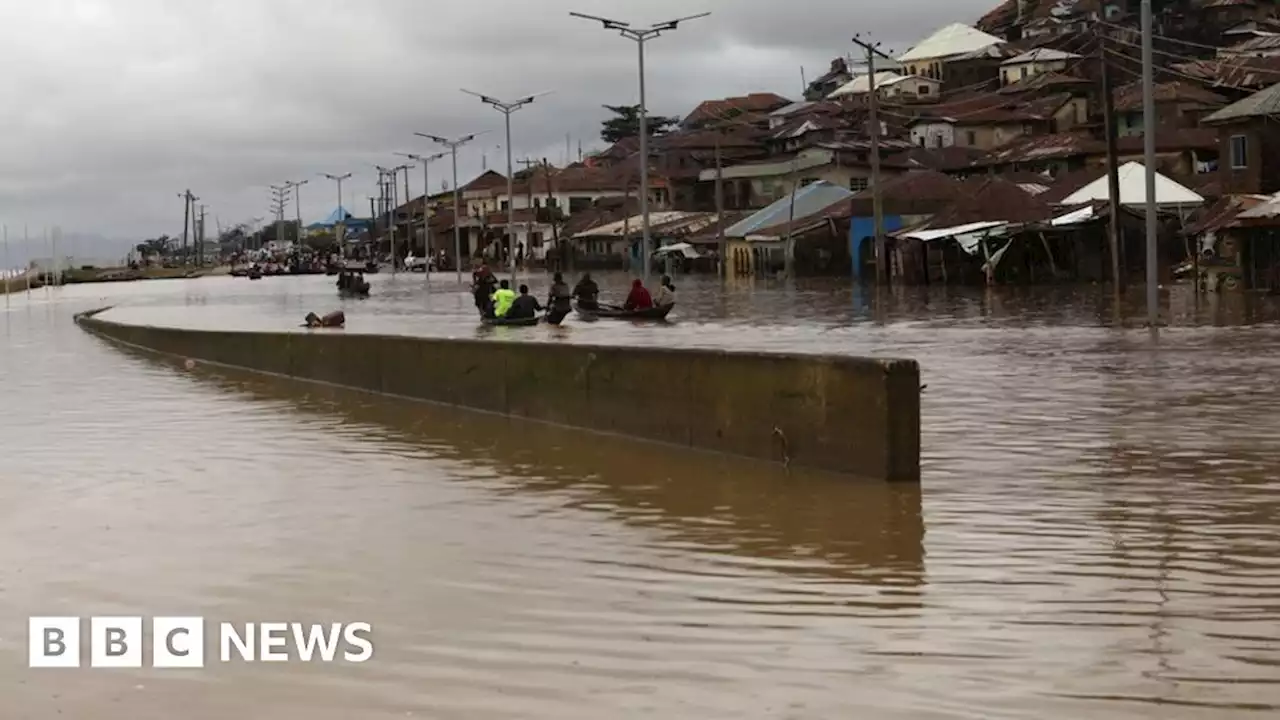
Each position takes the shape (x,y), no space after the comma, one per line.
(502,205)
(920,139)
(1239,152)
(937,140)
(1023,72)
(858,184)
(971,137)
(924,89)
(537,202)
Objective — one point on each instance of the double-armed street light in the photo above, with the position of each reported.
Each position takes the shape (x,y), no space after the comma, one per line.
(453,146)
(640,36)
(341,227)
(507,108)
(426,161)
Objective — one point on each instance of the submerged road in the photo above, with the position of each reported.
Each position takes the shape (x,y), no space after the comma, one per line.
(1095,535)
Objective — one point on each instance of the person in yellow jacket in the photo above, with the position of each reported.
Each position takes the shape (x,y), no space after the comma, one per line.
(503,297)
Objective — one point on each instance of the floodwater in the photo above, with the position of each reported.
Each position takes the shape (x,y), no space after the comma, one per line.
(1096,534)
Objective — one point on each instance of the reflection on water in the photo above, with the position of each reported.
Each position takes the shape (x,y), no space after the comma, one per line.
(1094,537)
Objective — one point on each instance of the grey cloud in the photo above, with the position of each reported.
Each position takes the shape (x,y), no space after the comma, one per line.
(114,106)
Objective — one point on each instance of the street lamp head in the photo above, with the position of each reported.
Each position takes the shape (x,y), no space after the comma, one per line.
(606,22)
(673,24)
(433,138)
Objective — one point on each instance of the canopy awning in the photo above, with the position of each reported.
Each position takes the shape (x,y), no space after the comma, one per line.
(967,236)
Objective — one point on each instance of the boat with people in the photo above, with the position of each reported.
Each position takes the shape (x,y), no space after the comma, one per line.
(639,305)
(352,283)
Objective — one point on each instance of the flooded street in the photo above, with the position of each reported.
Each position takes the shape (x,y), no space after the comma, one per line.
(1097,534)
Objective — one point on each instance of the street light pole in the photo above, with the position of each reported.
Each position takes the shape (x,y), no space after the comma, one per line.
(507,108)
(341,226)
(453,146)
(426,161)
(640,36)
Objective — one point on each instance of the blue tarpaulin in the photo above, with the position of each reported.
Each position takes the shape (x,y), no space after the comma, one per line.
(862,229)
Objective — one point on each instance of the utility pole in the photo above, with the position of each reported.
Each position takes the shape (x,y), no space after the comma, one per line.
(297,203)
(720,243)
(453,146)
(1113,167)
(186,221)
(387,181)
(529,166)
(1149,159)
(279,201)
(640,36)
(552,214)
(200,238)
(882,259)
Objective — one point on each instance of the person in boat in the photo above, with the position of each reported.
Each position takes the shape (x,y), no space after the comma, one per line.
(344,279)
(666,295)
(524,306)
(587,292)
(560,298)
(639,298)
(503,298)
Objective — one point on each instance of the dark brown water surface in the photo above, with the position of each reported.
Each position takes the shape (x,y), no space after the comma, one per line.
(1095,537)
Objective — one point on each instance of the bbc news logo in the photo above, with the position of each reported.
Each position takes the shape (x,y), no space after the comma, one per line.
(179,642)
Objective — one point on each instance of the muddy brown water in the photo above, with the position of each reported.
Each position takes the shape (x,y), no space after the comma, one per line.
(1095,536)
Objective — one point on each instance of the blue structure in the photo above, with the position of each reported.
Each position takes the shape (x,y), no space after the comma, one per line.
(340,214)
(862,229)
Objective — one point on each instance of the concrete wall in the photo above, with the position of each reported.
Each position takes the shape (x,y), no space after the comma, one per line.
(844,414)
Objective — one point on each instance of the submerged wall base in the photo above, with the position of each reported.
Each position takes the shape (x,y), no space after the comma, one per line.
(850,415)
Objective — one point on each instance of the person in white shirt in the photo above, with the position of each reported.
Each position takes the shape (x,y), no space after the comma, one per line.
(666,294)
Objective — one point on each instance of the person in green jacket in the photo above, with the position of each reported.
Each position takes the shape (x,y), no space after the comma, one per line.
(503,297)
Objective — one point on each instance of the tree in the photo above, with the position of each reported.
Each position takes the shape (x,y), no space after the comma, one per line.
(155,246)
(626,123)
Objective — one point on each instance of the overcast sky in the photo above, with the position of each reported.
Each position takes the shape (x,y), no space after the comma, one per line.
(112,107)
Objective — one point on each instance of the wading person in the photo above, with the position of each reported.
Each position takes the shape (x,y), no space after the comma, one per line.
(559,300)
(587,293)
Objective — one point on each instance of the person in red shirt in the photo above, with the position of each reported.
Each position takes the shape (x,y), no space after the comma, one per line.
(639,299)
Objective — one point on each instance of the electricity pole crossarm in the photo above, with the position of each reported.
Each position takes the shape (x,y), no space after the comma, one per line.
(640,36)
(882,258)
(453,146)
